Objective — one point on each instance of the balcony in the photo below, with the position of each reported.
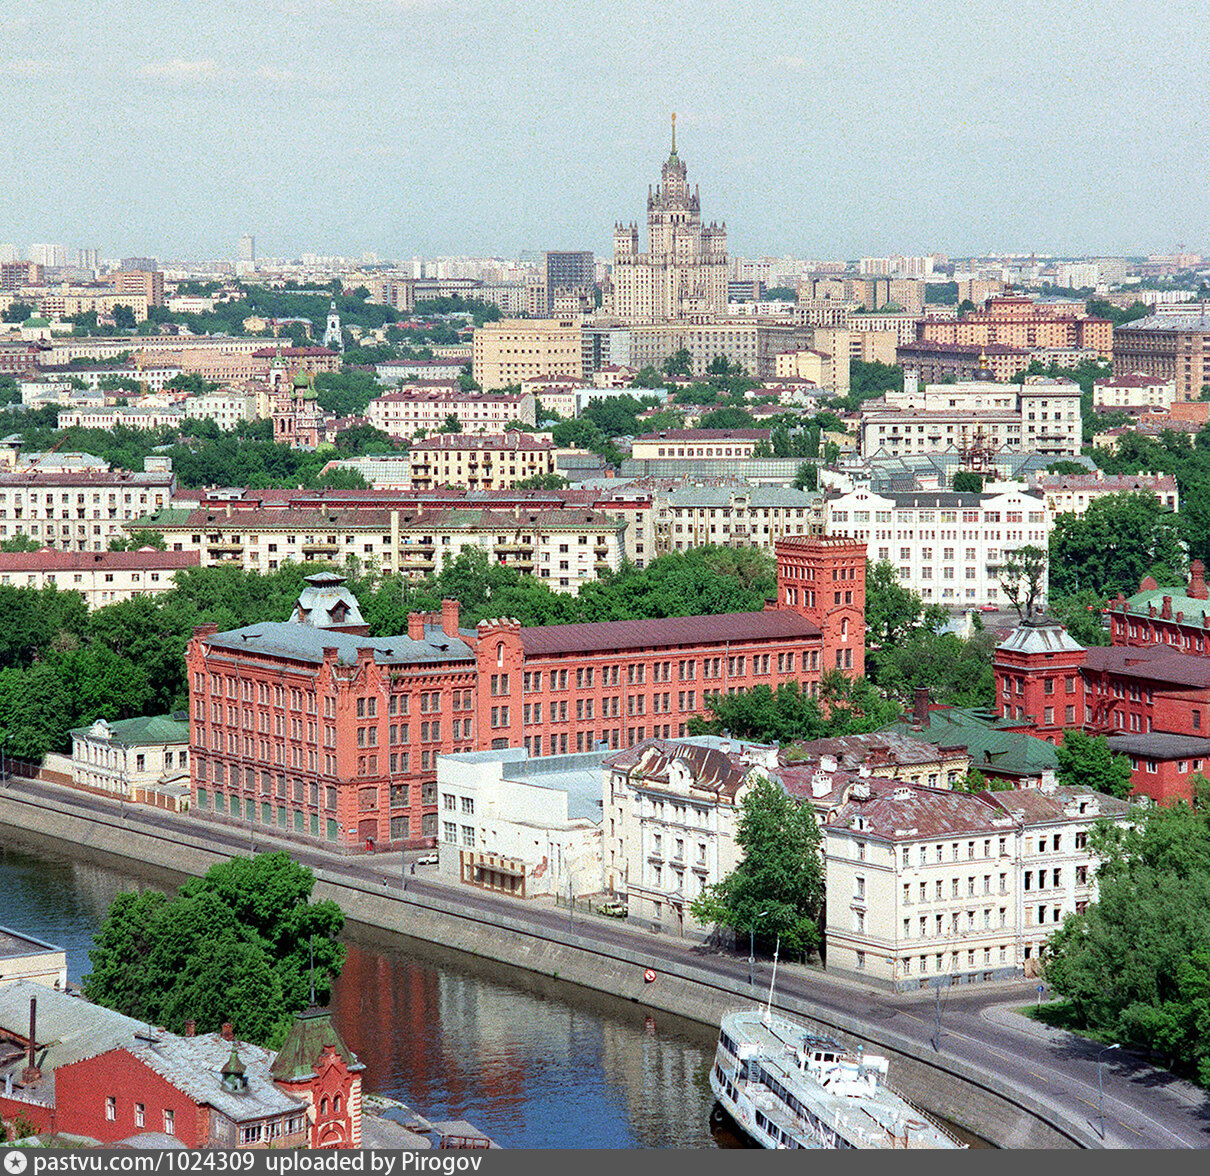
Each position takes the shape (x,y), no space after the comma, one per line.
(320,548)
(228,545)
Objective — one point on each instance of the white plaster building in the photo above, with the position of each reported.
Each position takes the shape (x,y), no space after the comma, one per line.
(520,826)
(928,886)
(671,808)
(134,758)
(947,547)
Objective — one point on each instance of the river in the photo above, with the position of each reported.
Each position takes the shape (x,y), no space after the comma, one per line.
(530,1061)
(533,1064)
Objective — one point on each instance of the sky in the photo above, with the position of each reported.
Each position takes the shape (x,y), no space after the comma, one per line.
(817,128)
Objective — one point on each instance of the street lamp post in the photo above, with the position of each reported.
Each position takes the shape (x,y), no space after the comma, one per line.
(1101,1086)
(751,953)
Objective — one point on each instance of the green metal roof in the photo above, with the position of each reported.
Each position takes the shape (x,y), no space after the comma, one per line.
(311,1031)
(1193,608)
(146,729)
(987,739)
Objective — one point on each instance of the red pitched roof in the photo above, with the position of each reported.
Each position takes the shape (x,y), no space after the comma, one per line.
(666,632)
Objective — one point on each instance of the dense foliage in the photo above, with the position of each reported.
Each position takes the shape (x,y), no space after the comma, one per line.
(1085,761)
(235,945)
(1134,966)
(1116,542)
(65,667)
(777,889)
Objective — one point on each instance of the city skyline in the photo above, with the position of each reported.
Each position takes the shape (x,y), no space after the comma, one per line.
(353,128)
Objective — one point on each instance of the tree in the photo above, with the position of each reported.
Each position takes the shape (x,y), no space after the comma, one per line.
(777,889)
(727,418)
(807,477)
(234,946)
(123,317)
(17,312)
(1085,761)
(543,482)
(1119,539)
(648,377)
(1023,578)
(1134,966)
(138,539)
(1080,614)
(339,479)
(968,482)
(891,610)
(20,543)
(680,363)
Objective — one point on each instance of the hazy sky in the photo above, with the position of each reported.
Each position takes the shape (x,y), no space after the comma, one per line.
(814,127)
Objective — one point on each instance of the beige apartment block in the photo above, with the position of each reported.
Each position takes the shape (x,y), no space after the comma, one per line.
(734,516)
(671,808)
(101,577)
(423,407)
(81,510)
(492,461)
(566,548)
(928,886)
(513,350)
(711,443)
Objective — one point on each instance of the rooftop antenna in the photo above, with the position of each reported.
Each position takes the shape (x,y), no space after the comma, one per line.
(311,944)
(674,133)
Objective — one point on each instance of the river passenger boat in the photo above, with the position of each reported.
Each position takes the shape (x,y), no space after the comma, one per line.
(787,1087)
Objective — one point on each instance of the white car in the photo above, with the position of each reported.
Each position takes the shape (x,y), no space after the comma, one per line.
(427,859)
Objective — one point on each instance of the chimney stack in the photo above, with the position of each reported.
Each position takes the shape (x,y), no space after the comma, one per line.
(31,1073)
(449,618)
(416,626)
(1197,581)
(190,1027)
(1166,611)
(228,1031)
(920,711)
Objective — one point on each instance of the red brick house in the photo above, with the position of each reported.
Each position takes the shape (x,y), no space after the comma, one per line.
(76,1068)
(310,725)
(1148,692)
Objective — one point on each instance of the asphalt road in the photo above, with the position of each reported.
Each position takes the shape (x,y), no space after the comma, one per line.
(1143,1107)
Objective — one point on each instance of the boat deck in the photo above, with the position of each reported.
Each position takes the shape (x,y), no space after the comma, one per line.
(876,1118)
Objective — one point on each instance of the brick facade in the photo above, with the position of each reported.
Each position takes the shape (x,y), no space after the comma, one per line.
(312,727)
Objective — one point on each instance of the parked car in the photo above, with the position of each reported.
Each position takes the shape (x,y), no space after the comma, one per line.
(615,910)
(427,859)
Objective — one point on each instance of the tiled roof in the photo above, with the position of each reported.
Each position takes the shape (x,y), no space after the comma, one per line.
(1191,606)
(1040,635)
(1160,746)
(50,560)
(311,1032)
(515,439)
(666,632)
(710,768)
(145,729)
(912,813)
(1155,663)
(873,747)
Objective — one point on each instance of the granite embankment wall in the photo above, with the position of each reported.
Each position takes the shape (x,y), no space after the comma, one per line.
(1003,1112)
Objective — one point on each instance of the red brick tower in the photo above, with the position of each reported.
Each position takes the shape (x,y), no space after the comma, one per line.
(823,579)
(314,1064)
(1037,670)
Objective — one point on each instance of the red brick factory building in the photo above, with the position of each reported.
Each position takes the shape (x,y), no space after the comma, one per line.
(311,725)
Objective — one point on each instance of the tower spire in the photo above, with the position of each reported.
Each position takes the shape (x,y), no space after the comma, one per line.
(674,132)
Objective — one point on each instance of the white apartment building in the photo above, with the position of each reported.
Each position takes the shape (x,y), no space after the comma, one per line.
(81,510)
(152,377)
(736,515)
(1040,416)
(947,547)
(671,808)
(1075,493)
(481,461)
(101,577)
(713,443)
(566,548)
(520,826)
(928,886)
(226,408)
(1137,390)
(418,408)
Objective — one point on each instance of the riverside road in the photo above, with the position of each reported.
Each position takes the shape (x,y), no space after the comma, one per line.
(1143,1107)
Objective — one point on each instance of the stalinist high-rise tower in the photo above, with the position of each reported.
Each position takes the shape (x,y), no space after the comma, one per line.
(683,274)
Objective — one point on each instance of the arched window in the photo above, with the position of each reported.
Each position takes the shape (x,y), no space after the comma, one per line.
(336,1105)
(500,654)
(323,1106)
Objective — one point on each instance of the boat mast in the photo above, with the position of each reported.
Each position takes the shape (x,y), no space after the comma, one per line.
(772,980)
